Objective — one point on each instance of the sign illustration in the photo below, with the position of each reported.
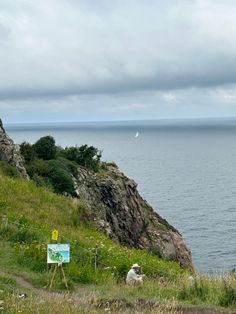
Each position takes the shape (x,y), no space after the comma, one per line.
(58,253)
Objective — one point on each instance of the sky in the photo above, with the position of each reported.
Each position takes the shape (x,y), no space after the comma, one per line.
(88,60)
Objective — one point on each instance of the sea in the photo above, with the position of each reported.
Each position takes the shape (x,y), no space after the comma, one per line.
(186,170)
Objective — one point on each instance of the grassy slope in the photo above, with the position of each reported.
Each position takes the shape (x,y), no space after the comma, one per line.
(32,214)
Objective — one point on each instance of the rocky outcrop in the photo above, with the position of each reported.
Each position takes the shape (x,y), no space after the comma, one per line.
(123,215)
(9,152)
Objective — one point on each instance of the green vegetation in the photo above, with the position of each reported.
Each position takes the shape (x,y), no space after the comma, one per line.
(53,167)
(87,156)
(45,148)
(34,212)
(28,214)
(7,169)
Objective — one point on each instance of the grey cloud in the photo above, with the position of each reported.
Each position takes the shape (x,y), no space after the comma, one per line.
(59,48)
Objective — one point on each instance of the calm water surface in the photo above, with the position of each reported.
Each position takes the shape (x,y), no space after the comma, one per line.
(185,170)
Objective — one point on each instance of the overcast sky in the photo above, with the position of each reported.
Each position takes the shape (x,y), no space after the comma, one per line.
(86,60)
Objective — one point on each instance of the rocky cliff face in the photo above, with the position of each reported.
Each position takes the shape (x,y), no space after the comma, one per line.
(122,214)
(9,152)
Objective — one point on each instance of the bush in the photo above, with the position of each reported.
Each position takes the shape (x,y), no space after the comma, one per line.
(81,216)
(61,178)
(155,249)
(198,291)
(38,167)
(70,165)
(228,297)
(45,148)
(8,170)
(86,156)
(18,234)
(82,273)
(32,255)
(27,151)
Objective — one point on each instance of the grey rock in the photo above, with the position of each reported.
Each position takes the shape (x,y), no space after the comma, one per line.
(9,152)
(123,215)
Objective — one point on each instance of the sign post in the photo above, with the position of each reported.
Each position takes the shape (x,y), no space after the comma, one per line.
(55,235)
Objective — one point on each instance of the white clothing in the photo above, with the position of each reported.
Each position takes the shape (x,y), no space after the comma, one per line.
(133,278)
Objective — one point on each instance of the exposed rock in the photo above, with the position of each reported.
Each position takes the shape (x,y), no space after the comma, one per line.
(9,152)
(122,214)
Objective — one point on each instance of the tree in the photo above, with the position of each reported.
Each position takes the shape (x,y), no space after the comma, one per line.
(45,148)
(87,156)
(27,151)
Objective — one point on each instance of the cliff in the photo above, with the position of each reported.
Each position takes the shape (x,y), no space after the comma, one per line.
(9,152)
(123,215)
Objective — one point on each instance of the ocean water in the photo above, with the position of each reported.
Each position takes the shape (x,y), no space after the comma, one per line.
(185,169)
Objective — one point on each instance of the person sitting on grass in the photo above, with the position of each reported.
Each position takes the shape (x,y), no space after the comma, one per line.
(132,276)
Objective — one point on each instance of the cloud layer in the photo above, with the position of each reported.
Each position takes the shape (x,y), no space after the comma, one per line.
(78,53)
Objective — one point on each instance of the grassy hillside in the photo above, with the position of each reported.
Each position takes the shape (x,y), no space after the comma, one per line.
(28,214)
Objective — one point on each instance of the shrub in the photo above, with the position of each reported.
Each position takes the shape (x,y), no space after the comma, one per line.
(61,178)
(18,234)
(32,255)
(81,216)
(86,156)
(45,147)
(8,170)
(70,165)
(198,291)
(155,250)
(24,235)
(27,151)
(38,167)
(43,182)
(228,297)
(82,273)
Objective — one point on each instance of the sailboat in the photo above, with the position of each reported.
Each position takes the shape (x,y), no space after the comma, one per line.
(137,134)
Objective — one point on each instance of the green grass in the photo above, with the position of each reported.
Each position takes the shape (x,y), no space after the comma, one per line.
(32,213)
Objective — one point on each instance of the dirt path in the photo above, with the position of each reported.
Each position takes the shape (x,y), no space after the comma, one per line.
(26,284)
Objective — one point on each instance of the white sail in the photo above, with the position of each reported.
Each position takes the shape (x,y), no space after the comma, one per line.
(137,135)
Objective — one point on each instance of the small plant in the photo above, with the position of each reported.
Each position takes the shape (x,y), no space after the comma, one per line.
(18,234)
(228,297)
(81,216)
(196,291)
(155,250)
(8,170)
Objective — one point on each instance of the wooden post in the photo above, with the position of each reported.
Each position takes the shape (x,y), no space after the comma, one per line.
(64,277)
(60,266)
(53,276)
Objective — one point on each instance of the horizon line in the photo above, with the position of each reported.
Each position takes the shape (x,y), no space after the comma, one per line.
(122,121)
